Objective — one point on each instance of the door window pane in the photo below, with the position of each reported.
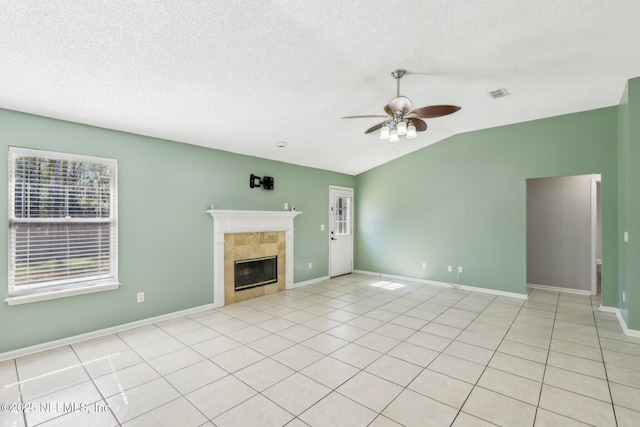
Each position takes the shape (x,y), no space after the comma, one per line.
(342,215)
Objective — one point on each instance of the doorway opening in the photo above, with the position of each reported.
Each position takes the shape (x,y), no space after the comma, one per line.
(564,234)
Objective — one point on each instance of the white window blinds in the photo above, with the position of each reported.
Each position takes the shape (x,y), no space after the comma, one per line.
(62,220)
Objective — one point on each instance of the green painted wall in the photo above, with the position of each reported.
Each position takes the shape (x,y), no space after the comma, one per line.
(629,204)
(462,201)
(459,202)
(165,235)
(623,191)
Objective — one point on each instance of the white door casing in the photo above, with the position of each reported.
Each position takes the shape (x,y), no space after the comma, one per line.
(340,230)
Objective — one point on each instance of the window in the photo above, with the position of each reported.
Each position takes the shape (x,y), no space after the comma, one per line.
(342,215)
(62,223)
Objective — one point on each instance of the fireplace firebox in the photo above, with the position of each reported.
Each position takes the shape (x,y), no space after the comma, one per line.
(254,272)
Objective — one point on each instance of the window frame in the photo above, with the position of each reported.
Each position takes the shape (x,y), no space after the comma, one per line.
(70,286)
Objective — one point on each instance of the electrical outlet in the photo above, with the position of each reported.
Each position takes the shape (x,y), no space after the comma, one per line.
(321,227)
(450,268)
(624,296)
(424,265)
(625,236)
(286,206)
(140,296)
(310,266)
(460,269)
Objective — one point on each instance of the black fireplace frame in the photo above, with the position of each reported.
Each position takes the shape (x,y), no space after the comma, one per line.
(245,277)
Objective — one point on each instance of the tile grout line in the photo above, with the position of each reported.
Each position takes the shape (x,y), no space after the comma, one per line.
(94,383)
(24,414)
(360,370)
(571,371)
(309,302)
(604,364)
(298,371)
(487,364)
(546,362)
(146,362)
(406,387)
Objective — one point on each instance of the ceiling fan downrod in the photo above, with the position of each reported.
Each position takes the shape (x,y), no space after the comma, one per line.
(397,74)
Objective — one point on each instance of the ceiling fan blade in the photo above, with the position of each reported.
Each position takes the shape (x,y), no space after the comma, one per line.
(363,117)
(435,111)
(400,103)
(375,128)
(420,125)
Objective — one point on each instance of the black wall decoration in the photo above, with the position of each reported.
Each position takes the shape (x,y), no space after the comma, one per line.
(266,182)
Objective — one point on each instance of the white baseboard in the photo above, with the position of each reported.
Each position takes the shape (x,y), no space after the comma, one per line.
(309,282)
(447,285)
(493,292)
(408,279)
(623,324)
(606,309)
(99,333)
(560,289)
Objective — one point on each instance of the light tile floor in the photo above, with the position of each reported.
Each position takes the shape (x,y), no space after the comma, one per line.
(351,351)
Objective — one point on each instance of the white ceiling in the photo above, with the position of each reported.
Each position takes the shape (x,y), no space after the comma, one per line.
(242,76)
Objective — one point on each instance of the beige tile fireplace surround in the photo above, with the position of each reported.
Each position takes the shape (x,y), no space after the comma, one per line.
(250,234)
(242,246)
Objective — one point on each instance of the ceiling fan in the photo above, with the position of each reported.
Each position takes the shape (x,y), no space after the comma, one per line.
(401,120)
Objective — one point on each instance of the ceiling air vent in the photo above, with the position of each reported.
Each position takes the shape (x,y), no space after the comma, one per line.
(499,93)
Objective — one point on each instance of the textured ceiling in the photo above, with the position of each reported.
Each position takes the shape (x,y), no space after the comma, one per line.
(242,76)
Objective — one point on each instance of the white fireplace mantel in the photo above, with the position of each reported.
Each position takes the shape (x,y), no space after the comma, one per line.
(226,221)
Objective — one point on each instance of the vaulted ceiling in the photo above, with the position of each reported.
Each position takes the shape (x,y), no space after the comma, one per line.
(242,76)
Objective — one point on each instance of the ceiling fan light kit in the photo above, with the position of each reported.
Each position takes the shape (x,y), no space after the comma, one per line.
(402,128)
(402,122)
(394,136)
(411,131)
(384,132)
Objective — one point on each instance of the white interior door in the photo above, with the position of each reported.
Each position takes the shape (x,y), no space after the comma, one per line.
(340,230)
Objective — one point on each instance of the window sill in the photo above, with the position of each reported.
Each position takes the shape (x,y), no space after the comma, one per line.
(45,296)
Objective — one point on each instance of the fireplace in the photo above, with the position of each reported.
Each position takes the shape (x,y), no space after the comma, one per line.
(239,235)
(254,272)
